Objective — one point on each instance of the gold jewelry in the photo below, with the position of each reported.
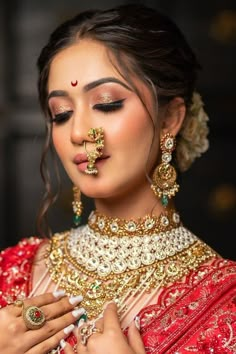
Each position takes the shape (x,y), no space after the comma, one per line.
(148,225)
(97,136)
(164,177)
(18,303)
(104,268)
(77,206)
(87,331)
(33,317)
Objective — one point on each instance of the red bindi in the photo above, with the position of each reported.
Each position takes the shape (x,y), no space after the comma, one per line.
(74,83)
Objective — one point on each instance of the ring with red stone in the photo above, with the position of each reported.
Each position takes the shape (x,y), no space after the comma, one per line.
(33,317)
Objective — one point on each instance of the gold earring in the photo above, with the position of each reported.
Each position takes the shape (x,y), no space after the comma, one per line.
(97,136)
(164,177)
(77,206)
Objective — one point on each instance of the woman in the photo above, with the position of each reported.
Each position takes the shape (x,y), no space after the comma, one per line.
(118,91)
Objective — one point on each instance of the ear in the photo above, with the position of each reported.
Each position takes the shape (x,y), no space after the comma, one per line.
(173,116)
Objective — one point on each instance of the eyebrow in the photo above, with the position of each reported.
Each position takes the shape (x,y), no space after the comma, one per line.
(57,93)
(102,81)
(89,86)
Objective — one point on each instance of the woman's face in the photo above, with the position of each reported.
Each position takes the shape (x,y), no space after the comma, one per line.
(85,91)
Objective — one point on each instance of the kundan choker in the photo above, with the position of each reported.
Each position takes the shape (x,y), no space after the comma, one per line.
(113,259)
(148,225)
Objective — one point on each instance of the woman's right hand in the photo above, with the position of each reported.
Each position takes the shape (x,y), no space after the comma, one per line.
(60,314)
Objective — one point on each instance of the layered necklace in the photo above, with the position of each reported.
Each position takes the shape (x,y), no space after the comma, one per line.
(114,259)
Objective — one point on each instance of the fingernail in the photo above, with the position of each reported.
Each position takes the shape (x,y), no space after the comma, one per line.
(74,300)
(62,343)
(81,322)
(137,322)
(78,312)
(69,329)
(108,303)
(59,293)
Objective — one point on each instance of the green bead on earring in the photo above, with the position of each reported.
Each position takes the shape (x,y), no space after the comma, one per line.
(77,206)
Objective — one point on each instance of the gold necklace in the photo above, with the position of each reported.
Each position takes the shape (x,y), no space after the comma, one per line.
(148,225)
(105,267)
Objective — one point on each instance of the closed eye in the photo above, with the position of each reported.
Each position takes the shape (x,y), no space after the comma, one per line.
(61,117)
(109,107)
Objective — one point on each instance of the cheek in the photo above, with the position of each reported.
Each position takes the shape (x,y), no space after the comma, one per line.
(136,130)
(58,142)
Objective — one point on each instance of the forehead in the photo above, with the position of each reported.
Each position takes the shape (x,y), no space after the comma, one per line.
(85,61)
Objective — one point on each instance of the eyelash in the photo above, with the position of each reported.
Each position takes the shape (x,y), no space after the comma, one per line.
(103,107)
(109,107)
(61,117)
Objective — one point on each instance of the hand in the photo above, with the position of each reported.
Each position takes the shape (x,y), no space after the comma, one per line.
(60,315)
(111,340)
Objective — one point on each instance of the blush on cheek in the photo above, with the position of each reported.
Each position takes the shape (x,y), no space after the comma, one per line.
(132,126)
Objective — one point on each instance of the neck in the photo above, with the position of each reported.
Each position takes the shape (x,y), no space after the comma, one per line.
(134,204)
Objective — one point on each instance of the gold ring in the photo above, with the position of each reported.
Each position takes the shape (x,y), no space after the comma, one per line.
(18,303)
(87,331)
(96,330)
(33,317)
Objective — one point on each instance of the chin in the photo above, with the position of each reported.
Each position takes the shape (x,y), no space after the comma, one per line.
(97,188)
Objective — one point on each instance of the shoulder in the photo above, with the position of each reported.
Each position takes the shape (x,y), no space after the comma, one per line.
(24,250)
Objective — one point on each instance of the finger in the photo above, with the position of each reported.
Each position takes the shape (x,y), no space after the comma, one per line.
(79,324)
(110,317)
(44,299)
(52,342)
(66,347)
(99,324)
(135,339)
(52,327)
(61,307)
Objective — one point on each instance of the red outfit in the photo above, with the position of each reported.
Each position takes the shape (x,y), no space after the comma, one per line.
(197,315)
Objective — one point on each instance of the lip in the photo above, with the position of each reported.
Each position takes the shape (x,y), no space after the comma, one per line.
(81,160)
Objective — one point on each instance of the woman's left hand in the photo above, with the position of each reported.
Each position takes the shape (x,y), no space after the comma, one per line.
(111,340)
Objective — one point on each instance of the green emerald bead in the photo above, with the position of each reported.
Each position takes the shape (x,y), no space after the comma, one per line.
(164,200)
(77,219)
(95,287)
(84,317)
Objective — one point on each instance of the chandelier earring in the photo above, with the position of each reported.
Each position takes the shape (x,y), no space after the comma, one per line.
(77,206)
(164,177)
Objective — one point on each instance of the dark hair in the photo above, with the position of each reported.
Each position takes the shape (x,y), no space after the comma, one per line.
(155,49)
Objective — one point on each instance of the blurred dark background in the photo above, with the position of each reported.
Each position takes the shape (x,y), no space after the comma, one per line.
(207,199)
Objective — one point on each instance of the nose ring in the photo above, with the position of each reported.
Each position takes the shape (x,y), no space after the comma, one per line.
(97,137)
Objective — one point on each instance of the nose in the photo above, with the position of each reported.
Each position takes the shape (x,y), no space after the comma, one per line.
(79,128)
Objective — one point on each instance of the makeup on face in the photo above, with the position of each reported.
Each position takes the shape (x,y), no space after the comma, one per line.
(107,96)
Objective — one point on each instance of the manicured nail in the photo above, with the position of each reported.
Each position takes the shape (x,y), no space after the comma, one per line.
(137,322)
(59,293)
(69,329)
(81,322)
(78,312)
(62,343)
(74,300)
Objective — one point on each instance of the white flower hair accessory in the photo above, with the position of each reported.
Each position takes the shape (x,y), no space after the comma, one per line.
(192,139)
